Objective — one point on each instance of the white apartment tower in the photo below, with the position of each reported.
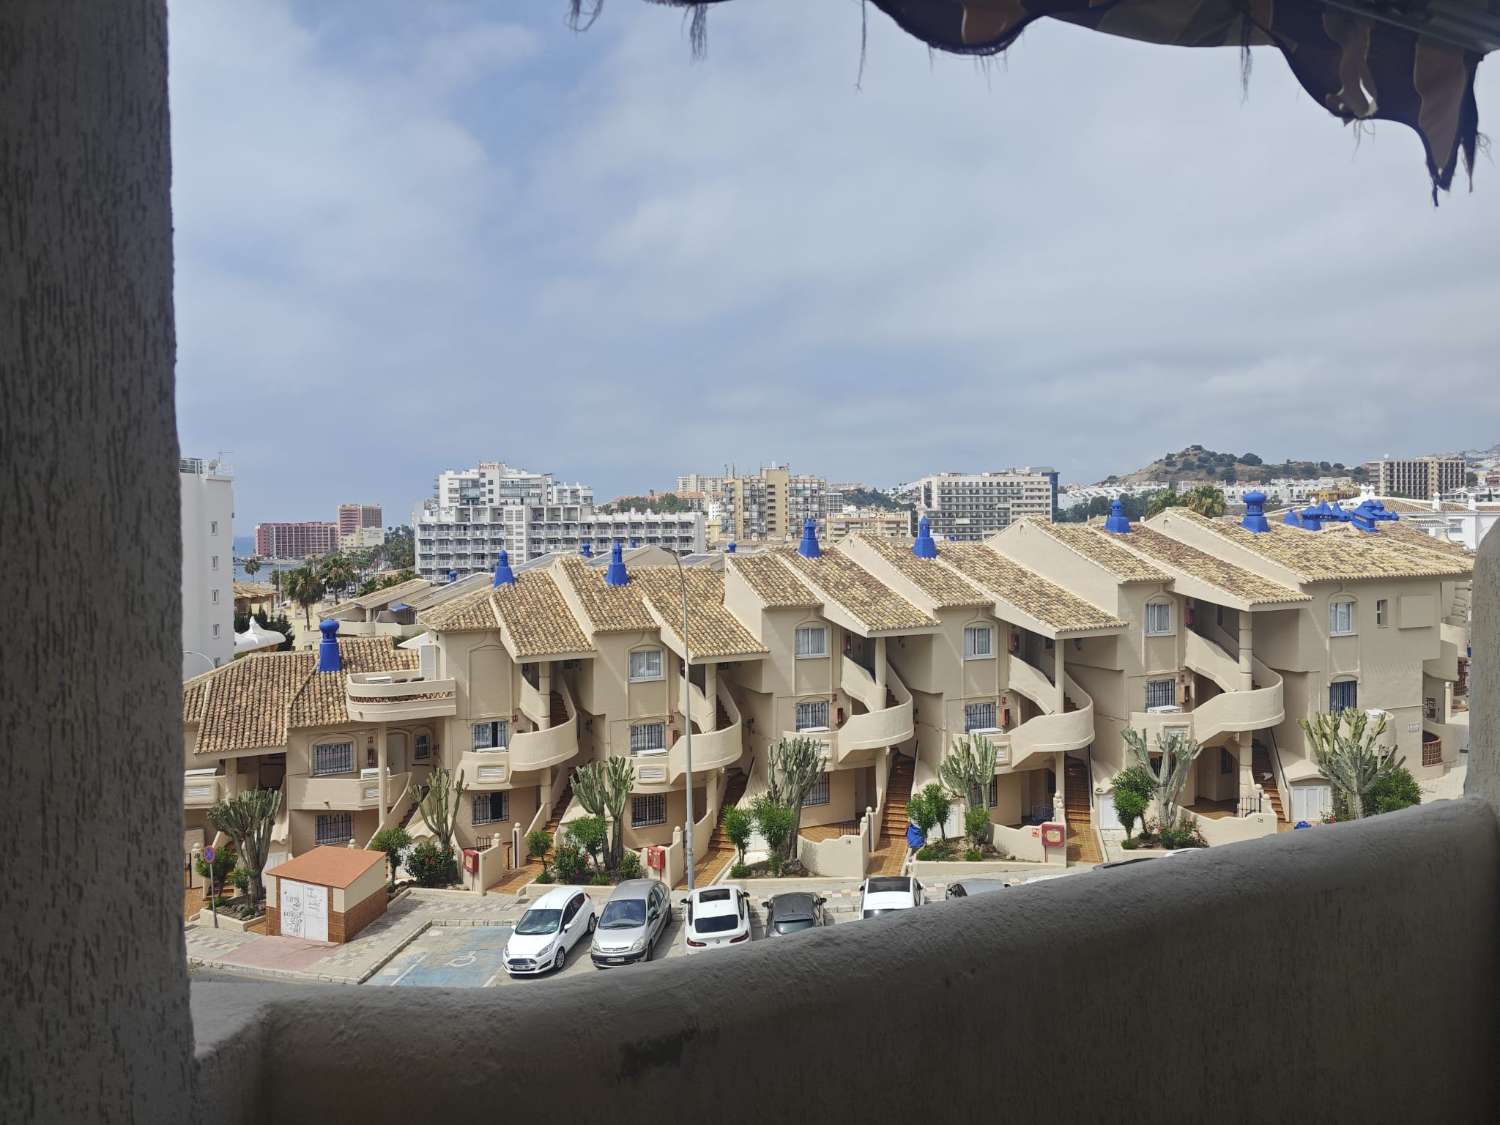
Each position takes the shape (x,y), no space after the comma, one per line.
(1419,478)
(477,512)
(971,506)
(207,565)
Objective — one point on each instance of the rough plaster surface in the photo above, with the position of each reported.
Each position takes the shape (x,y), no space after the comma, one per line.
(95,1024)
(1057,1001)
(1484,687)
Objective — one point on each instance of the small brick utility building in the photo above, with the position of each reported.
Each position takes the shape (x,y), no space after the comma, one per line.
(327,894)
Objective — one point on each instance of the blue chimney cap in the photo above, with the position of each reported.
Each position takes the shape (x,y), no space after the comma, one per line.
(616,574)
(453,576)
(809,548)
(635,541)
(1117,523)
(924,547)
(504,576)
(1255,512)
(729,550)
(328,648)
(585,550)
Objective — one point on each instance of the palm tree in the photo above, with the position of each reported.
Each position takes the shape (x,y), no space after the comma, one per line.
(252,564)
(305,587)
(1206,500)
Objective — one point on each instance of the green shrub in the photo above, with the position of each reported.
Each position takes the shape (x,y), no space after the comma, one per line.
(1129,843)
(1396,790)
(225,859)
(599,879)
(393,841)
(973,855)
(738,826)
(929,809)
(571,864)
(940,850)
(430,867)
(977,826)
(630,865)
(739,871)
(591,835)
(775,820)
(1134,789)
(538,843)
(241,880)
(544,877)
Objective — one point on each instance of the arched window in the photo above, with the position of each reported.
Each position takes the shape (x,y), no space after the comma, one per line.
(1341,618)
(1159,618)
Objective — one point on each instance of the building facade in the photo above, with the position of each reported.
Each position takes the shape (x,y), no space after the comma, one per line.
(207,564)
(868,521)
(476,513)
(1418,478)
(360,525)
(971,506)
(299,540)
(1048,640)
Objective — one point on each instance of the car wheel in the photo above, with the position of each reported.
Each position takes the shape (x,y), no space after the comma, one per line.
(650,948)
(593,921)
(560,961)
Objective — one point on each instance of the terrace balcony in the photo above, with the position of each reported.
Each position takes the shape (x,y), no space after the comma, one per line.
(385,697)
(342,793)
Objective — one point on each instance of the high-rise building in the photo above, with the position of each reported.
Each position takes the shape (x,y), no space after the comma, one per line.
(296,540)
(970,506)
(476,512)
(1418,478)
(207,564)
(360,525)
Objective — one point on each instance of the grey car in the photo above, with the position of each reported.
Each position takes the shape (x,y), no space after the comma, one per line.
(793,912)
(967,888)
(631,923)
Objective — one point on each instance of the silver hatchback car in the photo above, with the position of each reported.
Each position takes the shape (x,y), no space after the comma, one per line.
(632,921)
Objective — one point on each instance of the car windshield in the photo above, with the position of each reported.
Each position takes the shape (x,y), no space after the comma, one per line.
(792,926)
(715,924)
(623,914)
(885,910)
(539,922)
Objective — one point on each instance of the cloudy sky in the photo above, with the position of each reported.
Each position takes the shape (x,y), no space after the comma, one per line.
(413,237)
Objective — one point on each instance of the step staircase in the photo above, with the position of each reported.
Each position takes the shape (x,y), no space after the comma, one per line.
(1083,844)
(1265,777)
(719,852)
(518,877)
(557,714)
(890,850)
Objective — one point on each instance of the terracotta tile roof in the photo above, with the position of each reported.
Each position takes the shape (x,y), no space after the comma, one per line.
(714,631)
(251,703)
(536,617)
(868,599)
(1094,543)
(328,866)
(773,583)
(1416,538)
(1236,580)
(1337,554)
(610,609)
(399,592)
(472,612)
(947,589)
(254,591)
(1028,591)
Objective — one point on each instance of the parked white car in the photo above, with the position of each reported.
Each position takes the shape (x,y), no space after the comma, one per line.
(885,894)
(716,916)
(547,933)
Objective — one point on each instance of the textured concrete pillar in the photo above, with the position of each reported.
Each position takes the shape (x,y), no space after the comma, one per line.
(711,689)
(544,685)
(96,1024)
(1247,650)
(383,763)
(1060,674)
(880,663)
(1483,779)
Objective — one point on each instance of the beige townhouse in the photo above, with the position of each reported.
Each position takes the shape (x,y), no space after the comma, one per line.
(1047,639)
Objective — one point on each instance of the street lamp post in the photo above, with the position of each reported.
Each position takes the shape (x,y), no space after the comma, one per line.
(203,656)
(687,715)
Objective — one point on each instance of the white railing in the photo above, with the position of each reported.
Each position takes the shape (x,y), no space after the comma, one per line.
(376,697)
(859,684)
(1209,659)
(1054,733)
(533,704)
(1237,711)
(485,769)
(1232,829)
(1029,681)
(839,857)
(202,788)
(393,816)
(539,749)
(712,750)
(320,793)
(879,727)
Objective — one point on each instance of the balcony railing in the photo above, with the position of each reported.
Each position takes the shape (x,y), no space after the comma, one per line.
(317,794)
(887,724)
(202,788)
(539,749)
(379,697)
(486,769)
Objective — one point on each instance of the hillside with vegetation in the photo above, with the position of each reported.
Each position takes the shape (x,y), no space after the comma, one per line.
(870,498)
(656,502)
(1195,464)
